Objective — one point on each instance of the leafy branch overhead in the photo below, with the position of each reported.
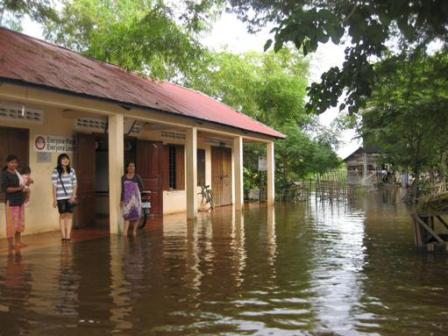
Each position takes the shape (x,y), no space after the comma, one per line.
(407,115)
(373,29)
(145,36)
(138,35)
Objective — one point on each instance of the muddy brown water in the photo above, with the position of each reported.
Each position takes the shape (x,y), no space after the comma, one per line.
(346,267)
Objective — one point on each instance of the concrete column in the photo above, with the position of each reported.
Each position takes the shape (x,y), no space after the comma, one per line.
(116,168)
(191,148)
(271,173)
(238,172)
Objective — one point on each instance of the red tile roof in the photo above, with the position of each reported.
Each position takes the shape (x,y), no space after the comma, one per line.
(31,61)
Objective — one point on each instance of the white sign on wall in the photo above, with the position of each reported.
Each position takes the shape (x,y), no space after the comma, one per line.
(53,144)
(262,163)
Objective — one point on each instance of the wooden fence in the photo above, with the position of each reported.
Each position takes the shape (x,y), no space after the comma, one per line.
(328,186)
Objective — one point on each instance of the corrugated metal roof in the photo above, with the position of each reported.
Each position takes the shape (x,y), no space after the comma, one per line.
(33,61)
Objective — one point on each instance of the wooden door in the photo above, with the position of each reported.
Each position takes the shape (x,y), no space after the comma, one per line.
(14,141)
(85,165)
(149,167)
(222,176)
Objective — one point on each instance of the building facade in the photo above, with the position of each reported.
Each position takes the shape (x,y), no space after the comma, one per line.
(53,100)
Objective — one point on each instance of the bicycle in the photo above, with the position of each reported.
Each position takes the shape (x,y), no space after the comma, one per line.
(146,208)
(207,195)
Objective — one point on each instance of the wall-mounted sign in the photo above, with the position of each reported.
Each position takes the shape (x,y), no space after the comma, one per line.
(53,144)
(43,157)
(262,163)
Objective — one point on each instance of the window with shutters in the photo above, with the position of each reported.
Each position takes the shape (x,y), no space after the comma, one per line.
(172,167)
(174,170)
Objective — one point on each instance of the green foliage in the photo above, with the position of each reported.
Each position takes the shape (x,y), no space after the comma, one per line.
(300,155)
(370,25)
(197,14)
(271,88)
(156,38)
(138,35)
(408,116)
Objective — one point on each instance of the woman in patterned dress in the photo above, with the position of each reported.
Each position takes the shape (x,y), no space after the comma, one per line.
(131,203)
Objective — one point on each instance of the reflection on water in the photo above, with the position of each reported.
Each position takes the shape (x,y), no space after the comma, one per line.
(338,259)
(314,268)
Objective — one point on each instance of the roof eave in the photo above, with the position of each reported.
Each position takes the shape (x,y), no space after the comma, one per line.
(123,103)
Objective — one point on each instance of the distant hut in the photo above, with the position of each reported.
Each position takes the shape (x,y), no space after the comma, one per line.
(363,167)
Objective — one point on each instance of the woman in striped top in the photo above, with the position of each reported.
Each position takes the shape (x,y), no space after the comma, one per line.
(64,194)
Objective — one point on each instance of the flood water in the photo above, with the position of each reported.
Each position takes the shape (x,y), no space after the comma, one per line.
(346,267)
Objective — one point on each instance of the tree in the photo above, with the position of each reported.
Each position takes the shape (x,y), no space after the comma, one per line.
(375,29)
(300,154)
(138,35)
(407,114)
(156,38)
(13,11)
(271,88)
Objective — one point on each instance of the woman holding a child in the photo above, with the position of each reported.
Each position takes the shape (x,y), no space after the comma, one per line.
(15,188)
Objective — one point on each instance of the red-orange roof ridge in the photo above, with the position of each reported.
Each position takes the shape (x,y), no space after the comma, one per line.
(216,100)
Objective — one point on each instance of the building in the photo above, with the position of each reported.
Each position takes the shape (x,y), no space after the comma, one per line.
(362,167)
(54,100)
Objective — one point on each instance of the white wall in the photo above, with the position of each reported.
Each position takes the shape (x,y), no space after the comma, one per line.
(40,216)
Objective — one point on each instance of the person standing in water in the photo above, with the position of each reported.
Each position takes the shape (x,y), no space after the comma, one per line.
(64,194)
(14,189)
(131,202)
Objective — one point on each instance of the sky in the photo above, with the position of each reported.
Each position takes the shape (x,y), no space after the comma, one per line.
(231,34)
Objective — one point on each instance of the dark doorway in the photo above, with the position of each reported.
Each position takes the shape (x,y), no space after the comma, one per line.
(14,141)
(92,158)
(102,175)
(85,160)
(102,182)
